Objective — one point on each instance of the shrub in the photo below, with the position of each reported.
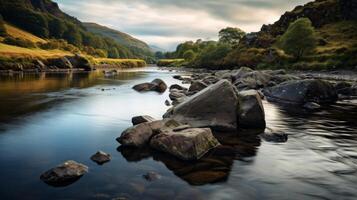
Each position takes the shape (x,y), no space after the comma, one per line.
(19,42)
(299,39)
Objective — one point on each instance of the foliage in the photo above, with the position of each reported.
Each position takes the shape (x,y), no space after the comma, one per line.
(231,36)
(189,55)
(2,27)
(19,42)
(299,39)
(45,21)
(113,53)
(170,62)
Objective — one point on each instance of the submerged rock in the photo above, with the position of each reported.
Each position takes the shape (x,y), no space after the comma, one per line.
(141,119)
(271,135)
(101,157)
(215,107)
(311,106)
(187,144)
(157,85)
(152,176)
(251,110)
(64,174)
(302,91)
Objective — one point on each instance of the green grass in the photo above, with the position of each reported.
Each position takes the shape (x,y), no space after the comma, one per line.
(10,51)
(117,63)
(18,33)
(170,62)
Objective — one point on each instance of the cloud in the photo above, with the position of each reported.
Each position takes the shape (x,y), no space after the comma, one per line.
(165,23)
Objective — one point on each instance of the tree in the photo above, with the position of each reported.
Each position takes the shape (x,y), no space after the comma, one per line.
(72,35)
(113,53)
(231,36)
(189,55)
(56,28)
(299,39)
(2,27)
(159,55)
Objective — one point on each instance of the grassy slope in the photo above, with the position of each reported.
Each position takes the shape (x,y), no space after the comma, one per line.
(18,33)
(13,52)
(120,37)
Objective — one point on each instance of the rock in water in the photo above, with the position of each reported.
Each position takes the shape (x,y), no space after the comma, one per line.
(271,135)
(157,85)
(141,119)
(251,110)
(152,176)
(311,106)
(197,86)
(214,107)
(302,91)
(139,135)
(64,174)
(101,157)
(187,144)
(136,136)
(160,85)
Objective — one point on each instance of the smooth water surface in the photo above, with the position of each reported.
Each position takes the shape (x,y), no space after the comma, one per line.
(47,119)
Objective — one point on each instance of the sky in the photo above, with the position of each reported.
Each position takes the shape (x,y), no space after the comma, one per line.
(166,23)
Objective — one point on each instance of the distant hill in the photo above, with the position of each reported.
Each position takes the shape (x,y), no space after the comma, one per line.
(136,45)
(44,19)
(155,48)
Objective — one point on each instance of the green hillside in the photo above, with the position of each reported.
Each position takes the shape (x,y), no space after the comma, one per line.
(135,45)
(333,25)
(44,19)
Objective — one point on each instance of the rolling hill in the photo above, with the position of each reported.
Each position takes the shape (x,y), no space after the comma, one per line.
(45,20)
(122,38)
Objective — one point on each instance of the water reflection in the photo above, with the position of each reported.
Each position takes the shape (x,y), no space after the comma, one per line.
(214,167)
(50,118)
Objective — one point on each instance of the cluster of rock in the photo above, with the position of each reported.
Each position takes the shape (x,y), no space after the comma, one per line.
(186,130)
(275,85)
(226,101)
(75,62)
(71,171)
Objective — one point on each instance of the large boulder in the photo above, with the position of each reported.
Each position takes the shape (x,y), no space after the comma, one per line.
(215,107)
(64,174)
(251,110)
(157,85)
(186,144)
(139,135)
(302,91)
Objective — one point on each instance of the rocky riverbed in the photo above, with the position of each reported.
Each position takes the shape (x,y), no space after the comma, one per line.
(230,158)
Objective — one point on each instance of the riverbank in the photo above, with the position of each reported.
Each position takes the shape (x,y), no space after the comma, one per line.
(66,63)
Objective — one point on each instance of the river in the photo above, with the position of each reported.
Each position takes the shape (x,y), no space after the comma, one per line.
(46,119)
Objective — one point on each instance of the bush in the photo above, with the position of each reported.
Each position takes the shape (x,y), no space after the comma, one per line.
(19,42)
(299,39)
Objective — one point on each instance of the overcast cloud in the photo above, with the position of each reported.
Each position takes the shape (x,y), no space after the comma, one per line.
(165,23)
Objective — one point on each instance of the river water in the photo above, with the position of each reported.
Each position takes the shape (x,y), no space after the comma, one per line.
(46,119)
